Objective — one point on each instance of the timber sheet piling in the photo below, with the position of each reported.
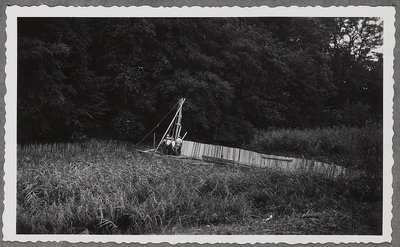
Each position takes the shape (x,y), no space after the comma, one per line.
(245,157)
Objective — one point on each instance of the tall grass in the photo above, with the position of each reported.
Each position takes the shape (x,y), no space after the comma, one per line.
(107,188)
(351,147)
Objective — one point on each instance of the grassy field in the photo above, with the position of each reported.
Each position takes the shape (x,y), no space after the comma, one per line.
(108,188)
(351,147)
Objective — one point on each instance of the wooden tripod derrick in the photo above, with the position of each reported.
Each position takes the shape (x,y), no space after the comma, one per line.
(178,126)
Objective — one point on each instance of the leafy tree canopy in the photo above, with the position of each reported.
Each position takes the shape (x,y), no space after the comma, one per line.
(117,77)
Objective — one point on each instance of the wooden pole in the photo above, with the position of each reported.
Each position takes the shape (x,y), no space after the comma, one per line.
(179,119)
(184,136)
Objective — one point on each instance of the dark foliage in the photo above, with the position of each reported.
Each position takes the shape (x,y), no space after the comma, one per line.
(116,78)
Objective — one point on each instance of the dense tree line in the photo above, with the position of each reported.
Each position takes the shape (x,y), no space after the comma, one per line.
(117,77)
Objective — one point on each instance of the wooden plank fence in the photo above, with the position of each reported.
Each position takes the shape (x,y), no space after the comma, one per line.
(246,157)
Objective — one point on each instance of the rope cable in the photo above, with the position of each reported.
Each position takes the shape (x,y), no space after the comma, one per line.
(157,124)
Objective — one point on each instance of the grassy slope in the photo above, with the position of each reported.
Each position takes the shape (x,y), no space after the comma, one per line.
(110,189)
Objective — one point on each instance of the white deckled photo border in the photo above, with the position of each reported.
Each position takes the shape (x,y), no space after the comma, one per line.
(386,13)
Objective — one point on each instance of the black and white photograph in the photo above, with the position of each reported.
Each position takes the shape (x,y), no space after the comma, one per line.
(247,123)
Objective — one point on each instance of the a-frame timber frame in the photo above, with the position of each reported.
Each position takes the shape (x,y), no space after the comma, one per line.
(178,126)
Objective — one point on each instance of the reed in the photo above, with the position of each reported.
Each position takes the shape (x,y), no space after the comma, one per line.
(108,188)
(358,148)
